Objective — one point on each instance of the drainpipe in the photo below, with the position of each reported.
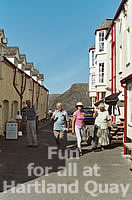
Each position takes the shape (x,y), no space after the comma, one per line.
(47,102)
(114,46)
(23,87)
(38,95)
(125,116)
(33,94)
(97,96)
(115,54)
(112,60)
(91,101)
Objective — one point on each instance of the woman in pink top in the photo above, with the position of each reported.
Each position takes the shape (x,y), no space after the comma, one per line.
(77,124)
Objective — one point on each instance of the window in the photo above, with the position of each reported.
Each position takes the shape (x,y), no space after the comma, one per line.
(92,58)
(93,80)
(101,72)
(101,41)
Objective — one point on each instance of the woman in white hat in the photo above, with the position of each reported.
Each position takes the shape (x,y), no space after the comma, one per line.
(77,124)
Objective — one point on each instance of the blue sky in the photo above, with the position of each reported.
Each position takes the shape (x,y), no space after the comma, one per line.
(55,35)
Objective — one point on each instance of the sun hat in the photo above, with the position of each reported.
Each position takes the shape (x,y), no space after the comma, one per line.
(79,104)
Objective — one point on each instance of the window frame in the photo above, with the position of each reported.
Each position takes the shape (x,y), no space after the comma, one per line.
(102,73)
(101,41)
(93,57)
(93,80)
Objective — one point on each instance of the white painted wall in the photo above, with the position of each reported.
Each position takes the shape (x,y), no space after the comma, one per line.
(108,63)
(127,60)
(101,57)
(92,71)
(124,56)
(127,41)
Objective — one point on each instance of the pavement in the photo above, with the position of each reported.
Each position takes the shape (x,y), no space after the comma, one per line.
(100,176)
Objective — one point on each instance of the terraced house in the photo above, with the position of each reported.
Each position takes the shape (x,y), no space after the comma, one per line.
(19,81)
(98,64)
(118,68)
(120,33)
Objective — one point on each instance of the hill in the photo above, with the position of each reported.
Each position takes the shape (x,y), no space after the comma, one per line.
(77,92)
(52,97)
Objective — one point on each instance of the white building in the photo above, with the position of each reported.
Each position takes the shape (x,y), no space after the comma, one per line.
(92,75)
(111,64)
(119,37)
(98,70)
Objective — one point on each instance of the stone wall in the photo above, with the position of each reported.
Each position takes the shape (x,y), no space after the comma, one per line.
(9,98)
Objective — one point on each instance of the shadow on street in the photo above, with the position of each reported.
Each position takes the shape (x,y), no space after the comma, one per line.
(15,156)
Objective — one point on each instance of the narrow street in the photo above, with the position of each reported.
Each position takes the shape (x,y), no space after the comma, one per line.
(88,177)
(66,100)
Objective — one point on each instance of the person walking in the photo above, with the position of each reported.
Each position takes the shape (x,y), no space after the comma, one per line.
(95,138)
(104,120)
(19,119)
(31,115)
(78,124)
(61,125)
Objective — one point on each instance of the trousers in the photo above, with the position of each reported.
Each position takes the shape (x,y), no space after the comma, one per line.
(79,134)
(59,136)
(31,132)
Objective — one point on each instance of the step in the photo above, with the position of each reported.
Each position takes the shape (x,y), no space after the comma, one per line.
(117,137)
(112,132)
(114,129)
(121,127)
(120,133)
(116,133)
(127,156)
(114,125)
(128,146)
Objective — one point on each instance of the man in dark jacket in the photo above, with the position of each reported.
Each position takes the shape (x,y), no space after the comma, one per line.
(31,115)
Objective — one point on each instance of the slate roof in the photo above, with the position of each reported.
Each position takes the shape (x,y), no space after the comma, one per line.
(29,66)
(41,77)
(116,16)
(93,47)
(35,72)
(9,51)
(22,58)
(105,24)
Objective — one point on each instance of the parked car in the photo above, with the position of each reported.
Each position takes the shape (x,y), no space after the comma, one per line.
(88,115)
(88,120)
